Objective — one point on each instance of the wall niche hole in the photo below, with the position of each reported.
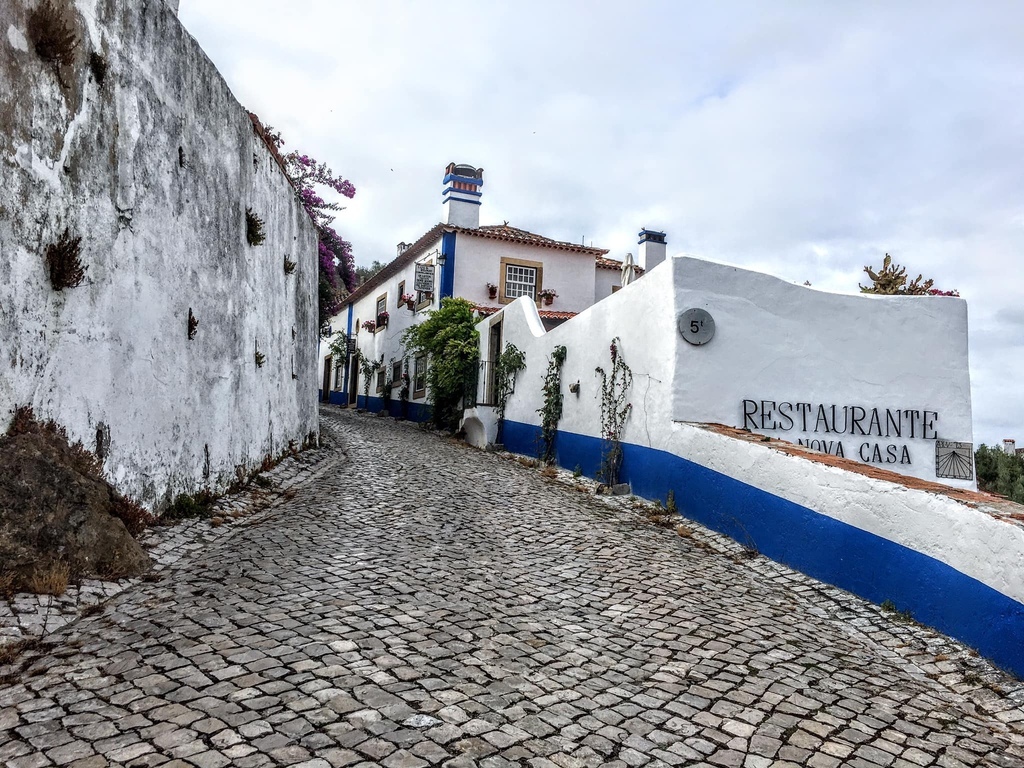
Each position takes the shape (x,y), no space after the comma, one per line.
(193,325)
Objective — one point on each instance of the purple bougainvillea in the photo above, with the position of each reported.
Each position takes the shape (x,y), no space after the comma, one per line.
(337,265)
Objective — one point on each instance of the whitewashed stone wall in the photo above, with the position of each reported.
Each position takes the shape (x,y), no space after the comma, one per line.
(153,169)
(954,564)
(775,343)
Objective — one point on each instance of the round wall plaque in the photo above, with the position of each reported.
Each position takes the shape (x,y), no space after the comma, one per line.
(697,326)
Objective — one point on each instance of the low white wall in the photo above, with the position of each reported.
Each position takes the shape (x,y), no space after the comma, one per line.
(154,170)
(894,368)
(951,564)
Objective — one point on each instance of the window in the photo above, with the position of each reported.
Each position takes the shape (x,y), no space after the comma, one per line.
(419,387)
(381,317)
(396,373)
(401,293)
(520,278)
(380,379)
(520,281)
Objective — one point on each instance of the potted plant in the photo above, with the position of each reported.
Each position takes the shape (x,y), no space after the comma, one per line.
(370,326)
(549,295)
(409,300)
(382,320)
(492,290)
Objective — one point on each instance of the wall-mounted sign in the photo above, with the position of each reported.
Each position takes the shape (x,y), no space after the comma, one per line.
(424,280)
(954,460)
(697,326)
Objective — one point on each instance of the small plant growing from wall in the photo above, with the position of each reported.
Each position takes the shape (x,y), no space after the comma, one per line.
(98,67)
(63,262)
(193,325)
(891,280)
(368,368)
(254,233)
(614,412)
(509,364)
(52,37)
(289,266)
(551,411)
(259,356)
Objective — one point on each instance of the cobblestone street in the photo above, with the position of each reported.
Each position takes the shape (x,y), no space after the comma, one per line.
(417,602)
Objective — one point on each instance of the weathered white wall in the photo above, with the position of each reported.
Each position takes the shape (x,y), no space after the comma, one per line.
(385,342)
(640,315)
(605,281)
(158,236)
(478,262)
(777,342)
(774,342)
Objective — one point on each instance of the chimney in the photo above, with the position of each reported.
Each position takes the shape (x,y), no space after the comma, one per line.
(652,249)
(403,247)
(1010,447)
(461,196)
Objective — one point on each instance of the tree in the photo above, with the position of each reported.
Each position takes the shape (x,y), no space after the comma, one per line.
(337,273)
(1000,472)
(450,339)
(365,273)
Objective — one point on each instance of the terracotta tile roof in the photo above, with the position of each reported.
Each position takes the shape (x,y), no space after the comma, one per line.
(493,232)
(546,314)
(616,265)
(516,235)
(405,258)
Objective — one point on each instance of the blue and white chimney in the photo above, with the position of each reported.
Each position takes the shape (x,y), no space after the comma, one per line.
(461,196)
(652,249)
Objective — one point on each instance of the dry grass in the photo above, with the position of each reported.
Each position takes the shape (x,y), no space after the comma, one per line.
(51,579)
(549,472)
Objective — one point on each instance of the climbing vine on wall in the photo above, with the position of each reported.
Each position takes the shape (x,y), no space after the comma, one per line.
(368,368)
(551,411)
(509,364)
(614,411)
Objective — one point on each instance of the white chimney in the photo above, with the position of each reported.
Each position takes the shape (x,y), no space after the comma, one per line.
(1010,447)
(403,247)
(652,249)
(461,196)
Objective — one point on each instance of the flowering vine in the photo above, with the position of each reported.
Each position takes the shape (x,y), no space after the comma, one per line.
(614,412)
(337,265)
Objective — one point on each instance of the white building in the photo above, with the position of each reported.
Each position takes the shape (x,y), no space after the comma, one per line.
(490,265)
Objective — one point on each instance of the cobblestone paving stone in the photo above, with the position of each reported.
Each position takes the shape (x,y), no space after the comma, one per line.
(27,616)
(419,603)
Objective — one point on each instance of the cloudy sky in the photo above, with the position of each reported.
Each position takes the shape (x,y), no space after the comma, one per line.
(804,140)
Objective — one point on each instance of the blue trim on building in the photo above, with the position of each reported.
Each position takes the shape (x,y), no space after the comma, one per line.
(460,200)
(448,268)
(870,566)
(454,191)
(348,358)
(643,234)
(413,411)
(466,179)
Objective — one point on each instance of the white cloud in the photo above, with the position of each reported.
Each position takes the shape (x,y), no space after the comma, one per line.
(802,140)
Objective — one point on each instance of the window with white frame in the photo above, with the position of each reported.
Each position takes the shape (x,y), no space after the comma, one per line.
(520,281)
(520,277)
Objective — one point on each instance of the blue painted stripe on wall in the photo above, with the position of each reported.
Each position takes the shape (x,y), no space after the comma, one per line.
(870,566)
(413,411)
(454,191)
(467,179)
(467,202)
(448,268)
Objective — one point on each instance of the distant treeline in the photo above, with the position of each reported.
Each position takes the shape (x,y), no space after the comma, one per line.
(1000,472)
